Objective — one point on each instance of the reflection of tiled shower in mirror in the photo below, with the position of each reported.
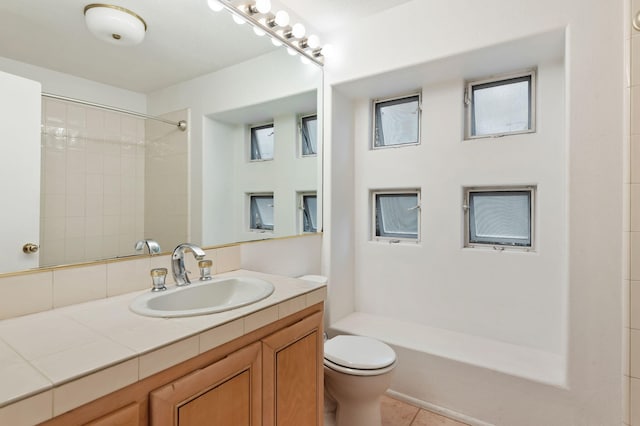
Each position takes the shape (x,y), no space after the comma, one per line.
(92,189)
(93,179)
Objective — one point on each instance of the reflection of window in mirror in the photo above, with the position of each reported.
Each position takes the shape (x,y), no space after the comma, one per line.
(309,135)
(307,204)
(501,106)
(262,138)
(261,212)
(396,121)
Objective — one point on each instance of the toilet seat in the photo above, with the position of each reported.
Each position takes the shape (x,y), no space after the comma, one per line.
(358,355)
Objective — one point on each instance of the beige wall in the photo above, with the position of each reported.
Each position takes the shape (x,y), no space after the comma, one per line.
(166,182)
(631,335)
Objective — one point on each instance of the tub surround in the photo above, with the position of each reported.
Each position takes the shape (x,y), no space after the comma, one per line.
(515,360)
(57,360)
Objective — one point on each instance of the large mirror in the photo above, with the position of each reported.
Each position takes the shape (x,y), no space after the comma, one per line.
(246,168)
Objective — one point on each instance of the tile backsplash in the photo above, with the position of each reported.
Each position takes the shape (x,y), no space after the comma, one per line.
(37,291)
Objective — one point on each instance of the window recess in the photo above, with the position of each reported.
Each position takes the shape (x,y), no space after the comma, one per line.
(499,217)
(261,208)
(308,135)
(262,142)
(307,205)
(500,106)
(395,215)
(396,121)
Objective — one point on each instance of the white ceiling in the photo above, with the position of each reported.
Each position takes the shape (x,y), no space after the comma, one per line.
(328,15)
(184,38)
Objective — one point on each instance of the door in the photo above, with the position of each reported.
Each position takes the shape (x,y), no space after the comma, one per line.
(20,109)
(293,374)
(226,393)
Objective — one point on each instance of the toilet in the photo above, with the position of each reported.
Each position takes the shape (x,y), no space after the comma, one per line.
(357,371)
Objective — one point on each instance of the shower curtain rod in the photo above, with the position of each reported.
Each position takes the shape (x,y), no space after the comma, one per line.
(182,124)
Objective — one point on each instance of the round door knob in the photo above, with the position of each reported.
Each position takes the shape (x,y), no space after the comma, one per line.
(30,248)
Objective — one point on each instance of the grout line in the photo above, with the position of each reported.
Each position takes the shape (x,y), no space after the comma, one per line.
(415,416)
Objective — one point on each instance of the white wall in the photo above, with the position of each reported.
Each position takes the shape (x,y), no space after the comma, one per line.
(425,31)
(75,87)
(511,296)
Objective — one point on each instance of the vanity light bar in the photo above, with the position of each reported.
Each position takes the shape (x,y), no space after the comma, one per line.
(300,45)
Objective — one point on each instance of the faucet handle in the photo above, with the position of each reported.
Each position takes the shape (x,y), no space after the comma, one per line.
(158,276)
(205,269)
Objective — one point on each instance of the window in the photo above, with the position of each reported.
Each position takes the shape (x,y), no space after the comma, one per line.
(396,215)
(262,142)
(261,212)
(396,121)
(501,106)
(309,135)
(309,211)
(499,217)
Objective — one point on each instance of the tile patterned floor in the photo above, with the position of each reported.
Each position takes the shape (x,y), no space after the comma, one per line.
(398,413)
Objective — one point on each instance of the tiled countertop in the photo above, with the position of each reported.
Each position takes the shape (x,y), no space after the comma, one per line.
(54,361)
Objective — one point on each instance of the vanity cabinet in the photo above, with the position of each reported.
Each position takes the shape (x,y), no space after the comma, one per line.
(125,416)
(225,392)
(271,376)
(293,371)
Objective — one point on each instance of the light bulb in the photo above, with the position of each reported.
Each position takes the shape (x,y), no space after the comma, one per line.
(313,41)
(238,20)
(327,50)
(282,18)
(298,30)
(276,42)
(263,6)
(258,31)
(291,51)
(304,60)
(215,5)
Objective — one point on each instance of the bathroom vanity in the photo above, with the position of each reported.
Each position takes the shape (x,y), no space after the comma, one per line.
(260,364)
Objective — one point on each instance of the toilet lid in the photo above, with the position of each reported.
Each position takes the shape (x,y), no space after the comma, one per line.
(358,352)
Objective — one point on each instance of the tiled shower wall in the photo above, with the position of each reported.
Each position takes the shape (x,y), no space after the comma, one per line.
(92,198)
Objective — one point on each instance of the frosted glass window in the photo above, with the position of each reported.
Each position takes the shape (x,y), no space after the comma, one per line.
(397,215)
(261,211)
(500,217)
(262,140)
(309,132)
(397,121)
(501,107)
(309,213)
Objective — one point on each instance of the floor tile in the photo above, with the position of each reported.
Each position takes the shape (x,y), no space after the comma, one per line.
(396,413)
(428,418)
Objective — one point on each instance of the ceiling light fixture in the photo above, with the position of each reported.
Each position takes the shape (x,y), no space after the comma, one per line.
(257,13)
(115,24)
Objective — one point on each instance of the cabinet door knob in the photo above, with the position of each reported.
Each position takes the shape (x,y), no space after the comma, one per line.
(30,248)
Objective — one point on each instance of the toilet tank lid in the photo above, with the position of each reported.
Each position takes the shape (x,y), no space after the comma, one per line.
(359,352)
(315,278)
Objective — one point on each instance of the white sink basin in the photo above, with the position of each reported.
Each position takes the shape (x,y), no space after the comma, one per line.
(202,297)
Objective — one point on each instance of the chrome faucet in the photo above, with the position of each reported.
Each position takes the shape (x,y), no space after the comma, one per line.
(177,262)
(152,246)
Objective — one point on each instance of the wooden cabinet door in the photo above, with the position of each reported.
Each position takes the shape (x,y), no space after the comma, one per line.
(293,374)
(125,416)
(226,393)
